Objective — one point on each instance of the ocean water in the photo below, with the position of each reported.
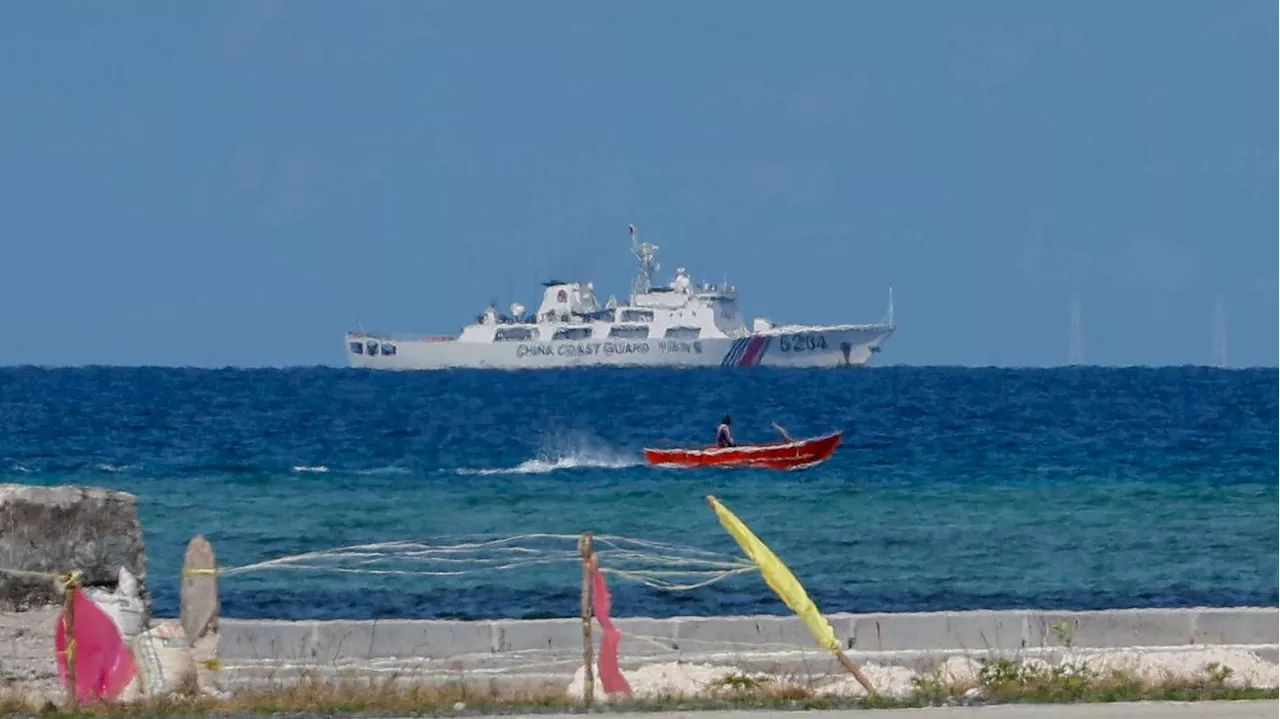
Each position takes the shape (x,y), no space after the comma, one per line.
(953,489)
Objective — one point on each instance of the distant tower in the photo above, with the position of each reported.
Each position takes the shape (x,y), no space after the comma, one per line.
(1220,334)
(1075,349)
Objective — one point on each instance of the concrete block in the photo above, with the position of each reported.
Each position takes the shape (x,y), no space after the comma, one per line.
(433,639)
(328,642)
(644,637)
(975,631)
(1268,654)
(640,636)
(1111,628)
(1236,626)
(692,637)
(695,634)
(564,636)
(244,639)
(555,635)
(58,529)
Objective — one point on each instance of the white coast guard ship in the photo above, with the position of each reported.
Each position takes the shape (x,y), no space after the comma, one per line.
(680,325)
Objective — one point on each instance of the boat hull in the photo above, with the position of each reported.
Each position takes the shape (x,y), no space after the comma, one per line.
(796,454)
(840,346)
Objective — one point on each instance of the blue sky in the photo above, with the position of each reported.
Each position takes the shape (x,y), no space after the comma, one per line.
(238,183)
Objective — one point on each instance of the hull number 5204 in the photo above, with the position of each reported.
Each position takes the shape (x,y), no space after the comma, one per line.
(802,342)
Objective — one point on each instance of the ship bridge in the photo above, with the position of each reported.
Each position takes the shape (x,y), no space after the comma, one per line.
(682,298)
(562,301)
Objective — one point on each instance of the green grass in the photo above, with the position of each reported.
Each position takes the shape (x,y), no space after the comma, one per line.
(1008,681)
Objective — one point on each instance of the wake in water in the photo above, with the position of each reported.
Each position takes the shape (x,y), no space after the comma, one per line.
(543,466)
(571,453)
(324,469)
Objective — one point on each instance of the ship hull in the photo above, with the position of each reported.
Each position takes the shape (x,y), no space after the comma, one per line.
(792,454)
(843,346)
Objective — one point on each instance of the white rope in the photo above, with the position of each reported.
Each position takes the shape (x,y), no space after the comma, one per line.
(615,559)
(657,583)
(402,572)
(707,556)
(658,565)
(408,550)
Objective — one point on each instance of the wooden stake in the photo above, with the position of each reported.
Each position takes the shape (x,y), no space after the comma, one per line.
(199,593)
(588,676)
(853,669)
(69,625)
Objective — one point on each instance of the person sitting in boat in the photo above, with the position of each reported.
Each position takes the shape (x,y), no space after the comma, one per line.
(724,438)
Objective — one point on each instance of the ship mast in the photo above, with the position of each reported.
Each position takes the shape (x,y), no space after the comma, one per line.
(647,255)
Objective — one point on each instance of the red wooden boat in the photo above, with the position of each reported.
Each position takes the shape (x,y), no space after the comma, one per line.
(788,454)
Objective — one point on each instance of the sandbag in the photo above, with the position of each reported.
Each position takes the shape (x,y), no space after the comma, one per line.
(125,605)
(164,661)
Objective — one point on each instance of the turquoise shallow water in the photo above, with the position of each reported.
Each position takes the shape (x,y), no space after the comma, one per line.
(954,488)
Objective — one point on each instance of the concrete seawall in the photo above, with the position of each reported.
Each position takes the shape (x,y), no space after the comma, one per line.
(552,648)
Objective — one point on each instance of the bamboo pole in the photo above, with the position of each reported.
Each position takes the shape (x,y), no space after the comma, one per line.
(588,676)
(853,669)
(69,627)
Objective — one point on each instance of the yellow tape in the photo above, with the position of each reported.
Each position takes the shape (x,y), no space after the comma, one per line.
(70,581)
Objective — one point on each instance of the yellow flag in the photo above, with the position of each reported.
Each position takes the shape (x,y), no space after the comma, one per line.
(778,577)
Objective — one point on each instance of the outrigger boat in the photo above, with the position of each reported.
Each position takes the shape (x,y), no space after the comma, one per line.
(787,454)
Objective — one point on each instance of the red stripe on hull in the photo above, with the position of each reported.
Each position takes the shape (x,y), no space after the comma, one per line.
(755,350)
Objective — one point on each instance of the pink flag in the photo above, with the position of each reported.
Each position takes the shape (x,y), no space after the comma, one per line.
(104,664)
(607,662)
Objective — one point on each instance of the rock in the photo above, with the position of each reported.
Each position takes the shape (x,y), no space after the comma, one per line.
(58,529)
(124,606)
(974,695)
